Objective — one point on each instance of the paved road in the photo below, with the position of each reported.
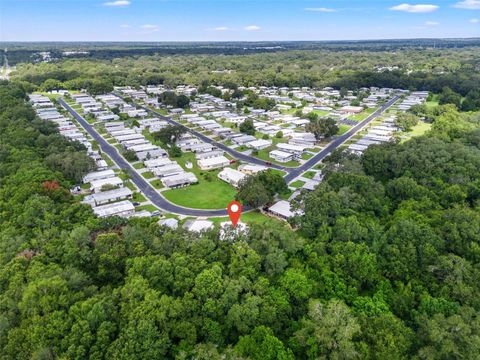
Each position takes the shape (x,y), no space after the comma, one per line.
(333,145)
(158,200)
(236,154)
(144,186)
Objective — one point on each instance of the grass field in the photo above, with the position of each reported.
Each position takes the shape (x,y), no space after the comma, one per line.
(209,193)
(418,130)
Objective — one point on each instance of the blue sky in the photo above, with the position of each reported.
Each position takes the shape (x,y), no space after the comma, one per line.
(230,20)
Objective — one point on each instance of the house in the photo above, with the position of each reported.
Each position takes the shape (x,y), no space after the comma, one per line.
(351,110)
(283,210)
(97,175)
(243,139)
(251,169)
(107,196)
(96,185)
(231,176)
(170,223)
(209,154)
(213,163)
(182,179)
(122,208)
(198,225)
(302,139)
(167,170)
(154,163)
(280,156)
(259,144)
(290,148)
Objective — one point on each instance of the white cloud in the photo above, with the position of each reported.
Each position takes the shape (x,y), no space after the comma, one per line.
(474,21)
(252,28)
(419,8)
(117,3)
(149,28)
(431,23)
(125,26)
(320,9)
(468,4)
(221,28)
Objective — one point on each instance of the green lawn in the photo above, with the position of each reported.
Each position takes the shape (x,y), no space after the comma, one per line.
(418,130)
(321,112)
(214,194)
(297,184)
(209,193)
(148,207)
(343,129)
(314,150)
(139,166)
(148,175)
(306,156)
(157,184)
(138,197)
(309,174)
(130,185)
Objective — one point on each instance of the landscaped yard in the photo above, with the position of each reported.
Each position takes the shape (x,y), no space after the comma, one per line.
(214,194)
(148,175)
(148,207)
(209,193)
(157,184)
(343,129)
(138,197)
(306,156)
(139,165)
(297,184)
(309,174)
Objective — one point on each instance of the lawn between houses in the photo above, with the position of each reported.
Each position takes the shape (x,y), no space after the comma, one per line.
(209,193)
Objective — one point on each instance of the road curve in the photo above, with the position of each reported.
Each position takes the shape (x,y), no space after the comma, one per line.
(148,190)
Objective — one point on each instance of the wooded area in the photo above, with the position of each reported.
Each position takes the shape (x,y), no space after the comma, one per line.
(384,264)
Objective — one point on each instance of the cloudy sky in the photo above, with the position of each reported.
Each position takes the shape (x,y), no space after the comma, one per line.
(219,20)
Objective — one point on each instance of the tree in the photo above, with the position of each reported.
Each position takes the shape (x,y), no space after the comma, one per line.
(448,96)
(182,101)
(169,134)
(279,135)
(327,332)
(247,127)
(323,128)
(130,155)
(262,344)
(252,192)
(406,121)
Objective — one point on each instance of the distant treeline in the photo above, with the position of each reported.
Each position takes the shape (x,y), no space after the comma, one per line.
(27,52)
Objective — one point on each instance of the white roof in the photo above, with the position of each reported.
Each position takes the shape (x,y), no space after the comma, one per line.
(213,161)
(97,184)
(232,174)
(282,208)
(198,225)
(287,147)
(260,143)
(113,209)
(108,195)
(95,175)
(280,154)
(157,162)
(171,223)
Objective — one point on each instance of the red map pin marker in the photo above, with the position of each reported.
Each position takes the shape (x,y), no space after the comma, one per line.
(234,211)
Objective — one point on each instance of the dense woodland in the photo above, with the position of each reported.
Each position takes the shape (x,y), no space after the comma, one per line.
(385,263)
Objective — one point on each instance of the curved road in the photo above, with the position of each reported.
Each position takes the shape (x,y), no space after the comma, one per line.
(148,190)
(158,200)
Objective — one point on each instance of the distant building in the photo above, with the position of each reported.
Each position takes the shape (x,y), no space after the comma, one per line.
(231,176)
